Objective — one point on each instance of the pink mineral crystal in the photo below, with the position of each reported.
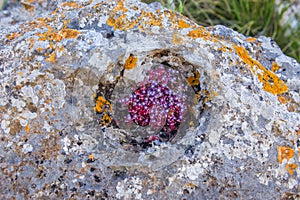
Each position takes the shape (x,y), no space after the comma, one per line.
(157,103)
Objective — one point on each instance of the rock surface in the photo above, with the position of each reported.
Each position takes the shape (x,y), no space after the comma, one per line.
(65,68)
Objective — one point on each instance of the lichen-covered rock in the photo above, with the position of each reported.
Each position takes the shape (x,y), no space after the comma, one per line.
(120,99)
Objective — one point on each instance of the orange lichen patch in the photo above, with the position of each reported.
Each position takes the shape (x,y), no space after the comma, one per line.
(27,128)
(60,49)
(120,7)
(217,37)
(209,95)
(183,24)
(152,19)
(271,82)
(118,19)
(104,107)
(69,33)
(190,185)
(225,49)
(31,1)
(172,16)
(91,157)
(177,39)
(196,98)
(27,6)
(106,119)
(130,62)
(26,27)
(20,73)
(121,23)
(52,35)
(285,153)
(98,5)
(102,104)
(250,39)
(275,67)
(200,32)
(42,22)
(31,41)
(284,99)
(12,36)
(71,5)
(194,80)
(291,168)
(51,58)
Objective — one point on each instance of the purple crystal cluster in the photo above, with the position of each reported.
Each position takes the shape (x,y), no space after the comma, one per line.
(150,104)
(158,102)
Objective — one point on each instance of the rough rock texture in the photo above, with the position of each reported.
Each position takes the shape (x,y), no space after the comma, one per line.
(65,68)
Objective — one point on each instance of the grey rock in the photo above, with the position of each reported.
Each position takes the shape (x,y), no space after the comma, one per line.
(66,67)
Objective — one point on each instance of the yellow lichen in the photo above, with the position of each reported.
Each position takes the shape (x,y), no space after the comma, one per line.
(119,20)
(275,67)
(183,24)
(101,104)
(106,119)
(209,95)
(271,82)
(284,99)
(250,39)
(53,35)
(225,49)
(177,39)
(31,41)
(12,36)
(27,128)
(69,33)
(91,157)
(190,185)
(196,98)
(121,23)
(51,58)
(130,62)
(152,19)
(194,80)
(284,153)
(291,168)
(71,5)
(200,32)
(27,6)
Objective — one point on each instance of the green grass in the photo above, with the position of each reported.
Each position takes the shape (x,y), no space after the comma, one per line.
(249,17)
